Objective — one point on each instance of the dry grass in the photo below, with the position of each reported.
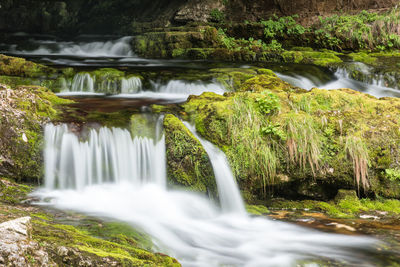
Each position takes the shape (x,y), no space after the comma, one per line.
(303,143)
(357,152)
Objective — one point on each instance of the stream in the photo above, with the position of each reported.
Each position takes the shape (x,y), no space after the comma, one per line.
(113,173)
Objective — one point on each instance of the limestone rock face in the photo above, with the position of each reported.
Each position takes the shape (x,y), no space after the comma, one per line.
(197,10)
(16,247)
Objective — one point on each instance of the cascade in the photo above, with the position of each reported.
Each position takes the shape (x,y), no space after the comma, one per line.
(374,86)
(188,88)
(74,164)
(107,172)
(114,48)
(228,191)
(131,85)
(82,82)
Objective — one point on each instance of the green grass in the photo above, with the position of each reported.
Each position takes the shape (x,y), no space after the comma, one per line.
(245,125)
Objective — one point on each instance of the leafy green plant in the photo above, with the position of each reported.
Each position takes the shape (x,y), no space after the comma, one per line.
(268,103)
(217,15)
(279,27)
(229,42)
(361,31)
(273,130)
(245,125)
(393,174)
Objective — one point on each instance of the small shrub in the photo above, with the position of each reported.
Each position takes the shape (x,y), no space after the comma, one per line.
(393,174)
(217,15)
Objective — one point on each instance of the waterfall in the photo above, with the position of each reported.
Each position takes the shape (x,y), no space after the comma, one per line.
(188,88)
(131,85)
(74,164)
(82,82)
(228,191)
(114,48)
(374,86)
(107,172)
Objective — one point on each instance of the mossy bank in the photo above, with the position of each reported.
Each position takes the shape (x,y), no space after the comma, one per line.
(286,141)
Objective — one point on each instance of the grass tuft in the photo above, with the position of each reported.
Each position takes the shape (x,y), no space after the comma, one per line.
(357,152)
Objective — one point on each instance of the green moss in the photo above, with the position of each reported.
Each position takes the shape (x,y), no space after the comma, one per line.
(267,80)
(13,66)
(143,125)
(13,193)
(55,235)
(188,164)
(310,127)
(233,78)
(319,58)
(347,207)
(257,210)
(117,232)
(21,136)
(363,57)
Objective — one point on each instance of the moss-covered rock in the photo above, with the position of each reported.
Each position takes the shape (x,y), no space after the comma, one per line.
(320,58)
(346,205)
(88,242)
(295,143)
(13,193)
(14,66)
(68,245)
(23,112)
(188,164)
(167,44)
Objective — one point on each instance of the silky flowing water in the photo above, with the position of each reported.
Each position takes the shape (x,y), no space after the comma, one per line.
(113,174)
(110,172)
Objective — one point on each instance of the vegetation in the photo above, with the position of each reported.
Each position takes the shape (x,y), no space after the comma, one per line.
(349,207)
(217,15)
(365,30)
(188,164)
(290,142)
(358,153)
(24,111)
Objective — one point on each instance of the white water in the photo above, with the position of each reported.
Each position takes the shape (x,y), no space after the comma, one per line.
(132,87)
(74,164)
(115,48)
(228,190)
(82,82)
(188,88)
(112,182)
(376,87)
